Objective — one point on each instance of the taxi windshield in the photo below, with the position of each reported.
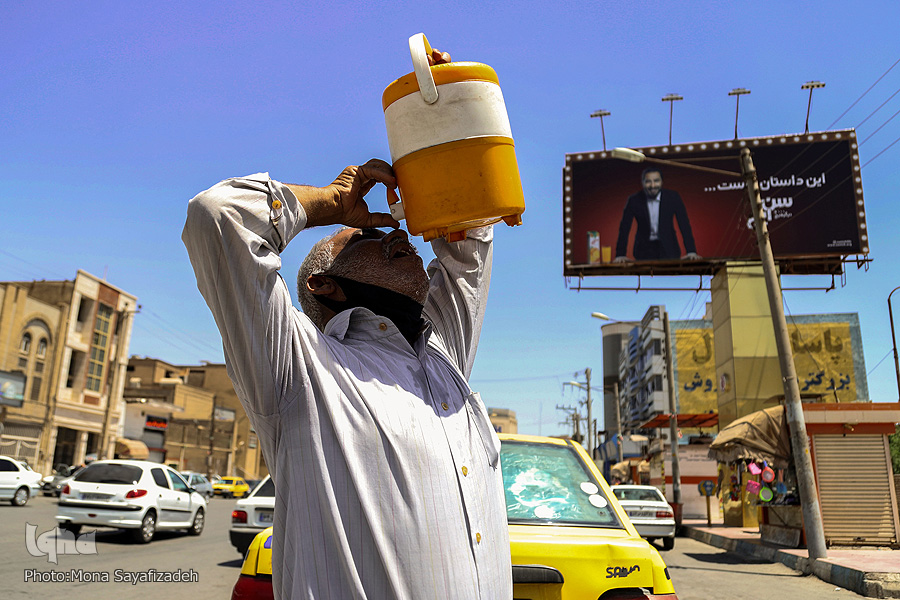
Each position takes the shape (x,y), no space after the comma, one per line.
(550,484)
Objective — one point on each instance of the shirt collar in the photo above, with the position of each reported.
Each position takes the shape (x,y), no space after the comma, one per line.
(654,198)
(361,323)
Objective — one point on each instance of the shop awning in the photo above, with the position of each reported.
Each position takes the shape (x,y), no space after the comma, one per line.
(132,449)
(760,436)
(701,421)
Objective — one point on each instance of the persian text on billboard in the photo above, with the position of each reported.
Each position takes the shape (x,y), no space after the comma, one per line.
(810,187)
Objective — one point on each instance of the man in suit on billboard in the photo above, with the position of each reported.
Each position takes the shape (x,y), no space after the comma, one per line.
(654,209)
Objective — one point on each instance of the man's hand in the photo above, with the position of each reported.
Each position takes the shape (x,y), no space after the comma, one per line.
(343,202)
(691,256)
(438,58)
(621,259)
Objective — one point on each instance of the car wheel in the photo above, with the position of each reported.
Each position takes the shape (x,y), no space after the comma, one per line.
(668,543)
(20,498)
(197,526)
(71,527)
(145,532)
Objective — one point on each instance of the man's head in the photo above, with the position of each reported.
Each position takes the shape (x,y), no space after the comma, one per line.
(364,255)
(651,178)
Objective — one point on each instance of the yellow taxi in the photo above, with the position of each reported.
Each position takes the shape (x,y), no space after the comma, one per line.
(231,487)
(255,580)
(569,537)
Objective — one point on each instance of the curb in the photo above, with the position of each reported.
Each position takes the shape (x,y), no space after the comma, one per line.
(870,585)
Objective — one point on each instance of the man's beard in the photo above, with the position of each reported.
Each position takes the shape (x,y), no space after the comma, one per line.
(414,285)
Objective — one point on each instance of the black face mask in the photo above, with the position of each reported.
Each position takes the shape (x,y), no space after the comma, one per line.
(402,310)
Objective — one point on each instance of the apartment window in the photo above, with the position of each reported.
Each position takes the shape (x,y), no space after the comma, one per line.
(99,347)
(25,345)
(42,348)
(76,366)
(35,388)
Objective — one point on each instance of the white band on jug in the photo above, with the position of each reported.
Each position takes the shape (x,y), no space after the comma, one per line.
(464,110)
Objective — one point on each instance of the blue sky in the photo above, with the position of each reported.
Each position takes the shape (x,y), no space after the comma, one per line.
(113,115)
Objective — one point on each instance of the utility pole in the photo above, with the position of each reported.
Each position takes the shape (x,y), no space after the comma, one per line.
(574,418)
(590,422)
(620,441)
(673,419)
(809,501)
(587,387)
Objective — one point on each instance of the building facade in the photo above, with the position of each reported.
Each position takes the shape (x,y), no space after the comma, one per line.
(66,344)
(190,417)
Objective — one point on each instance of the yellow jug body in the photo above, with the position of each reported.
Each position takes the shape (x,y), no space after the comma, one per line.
(452,150)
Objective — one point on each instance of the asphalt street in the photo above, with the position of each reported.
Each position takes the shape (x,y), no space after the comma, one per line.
(207,565)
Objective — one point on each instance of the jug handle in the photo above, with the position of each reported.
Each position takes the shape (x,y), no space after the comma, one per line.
(419,49)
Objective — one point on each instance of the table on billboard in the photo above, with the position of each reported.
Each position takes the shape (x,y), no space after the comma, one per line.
(811,192)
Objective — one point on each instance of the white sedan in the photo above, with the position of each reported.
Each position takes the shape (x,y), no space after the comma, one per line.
(18,482)
(648,511)
(252,514)
(143,497)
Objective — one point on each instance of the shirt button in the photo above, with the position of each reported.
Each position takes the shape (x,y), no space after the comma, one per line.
(276,204)
(382,326)
(478,538)
(465,471)
(445,406)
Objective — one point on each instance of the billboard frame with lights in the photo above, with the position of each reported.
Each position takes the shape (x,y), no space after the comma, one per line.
(811,191)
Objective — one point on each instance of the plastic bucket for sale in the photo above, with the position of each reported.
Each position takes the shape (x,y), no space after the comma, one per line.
(451,147)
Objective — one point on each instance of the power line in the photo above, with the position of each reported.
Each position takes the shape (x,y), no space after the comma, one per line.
(880,153)
(864,93)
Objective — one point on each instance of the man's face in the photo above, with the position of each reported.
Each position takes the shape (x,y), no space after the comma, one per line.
(652,183)
(387,260)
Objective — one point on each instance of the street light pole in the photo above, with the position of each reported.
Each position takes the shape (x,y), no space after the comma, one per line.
(894,339)
(737,92)
(810,85)
(601,113)
(812,516)
(671,99)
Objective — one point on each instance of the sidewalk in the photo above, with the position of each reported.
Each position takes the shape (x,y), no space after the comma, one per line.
(869,571)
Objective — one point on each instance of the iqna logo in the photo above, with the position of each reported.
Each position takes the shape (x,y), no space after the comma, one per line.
(58,541)
(621,571)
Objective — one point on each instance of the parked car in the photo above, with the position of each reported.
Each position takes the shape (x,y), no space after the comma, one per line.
(649,512)
(252,514)
(199,482)
(140,496)
(569,537)
(18,481)
(53,484)
(230,487)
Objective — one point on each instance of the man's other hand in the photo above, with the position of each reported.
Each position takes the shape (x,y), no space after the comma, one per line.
(691,256)
(621,259)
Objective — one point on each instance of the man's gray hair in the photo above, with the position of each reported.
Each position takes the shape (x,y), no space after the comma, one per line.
(319,260)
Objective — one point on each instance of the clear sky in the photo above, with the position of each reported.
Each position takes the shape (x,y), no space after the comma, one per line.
(114,114)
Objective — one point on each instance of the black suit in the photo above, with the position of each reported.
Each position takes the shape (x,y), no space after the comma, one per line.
(666,247)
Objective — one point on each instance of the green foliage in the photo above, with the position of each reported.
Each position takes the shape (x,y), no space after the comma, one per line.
(894,442)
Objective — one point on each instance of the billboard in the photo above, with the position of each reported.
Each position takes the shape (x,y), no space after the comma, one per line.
(810,186)
(12,389)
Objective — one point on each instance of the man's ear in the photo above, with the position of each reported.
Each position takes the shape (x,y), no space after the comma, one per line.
(322,285)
